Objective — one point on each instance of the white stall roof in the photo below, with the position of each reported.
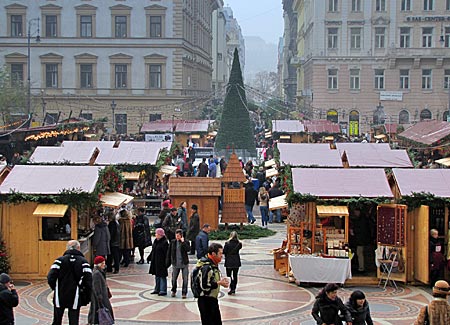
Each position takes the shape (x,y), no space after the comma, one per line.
(309,154)
(132,153)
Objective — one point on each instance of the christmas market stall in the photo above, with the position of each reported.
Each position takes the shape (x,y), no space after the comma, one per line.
(326,205)
(288,131)
(426,194)
(202,191)
(309,155)
(39,216)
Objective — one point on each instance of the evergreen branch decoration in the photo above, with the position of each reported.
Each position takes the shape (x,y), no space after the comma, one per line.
(417,199)
(110,179)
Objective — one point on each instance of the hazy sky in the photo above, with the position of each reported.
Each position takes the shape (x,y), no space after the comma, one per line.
(262,18)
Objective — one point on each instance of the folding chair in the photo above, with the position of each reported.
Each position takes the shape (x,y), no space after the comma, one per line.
(386,267)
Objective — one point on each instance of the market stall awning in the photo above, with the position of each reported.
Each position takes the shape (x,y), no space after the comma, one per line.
(309,154)
(434,181)
(271,172)
(287,126)
(278,202)
(50,210)
(167,169)
(115,199)
(444,161)
(131,176)
(427,132)
(332,210)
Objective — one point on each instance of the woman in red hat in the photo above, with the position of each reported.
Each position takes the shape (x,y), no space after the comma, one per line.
(100,291)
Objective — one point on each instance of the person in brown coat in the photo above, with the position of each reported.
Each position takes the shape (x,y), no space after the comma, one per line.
(437,312)
(126,237)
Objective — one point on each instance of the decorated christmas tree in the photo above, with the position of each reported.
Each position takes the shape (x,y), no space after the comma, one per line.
(4,257)
(235,129)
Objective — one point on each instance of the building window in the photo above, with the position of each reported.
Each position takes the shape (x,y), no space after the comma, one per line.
(405,36)
(120,26)
(51,75)
(332,38)
(155,26)
(379,79)
(155,75)
(332,79)
(86,26)
(403,117)
(354,79)
(86,76)
(51,26)
(428,5)
(405,5)
(121,123)
(51,118)
(120,76)
(446,78)
(16,74)
(16,26)
(380,5)
(425,114)
(219,56)
(332,5)
(86,116)
(447,36)
(355,35)
(404,79)
(426,79)
(154,117)
(447,5)
(356,5)
(427,36)
(380,35)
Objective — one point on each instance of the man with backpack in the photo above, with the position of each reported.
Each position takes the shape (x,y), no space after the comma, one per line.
(207,281)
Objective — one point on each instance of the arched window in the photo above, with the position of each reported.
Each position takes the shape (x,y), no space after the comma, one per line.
(332,116)
(445,116)
(403,117)
(425,114)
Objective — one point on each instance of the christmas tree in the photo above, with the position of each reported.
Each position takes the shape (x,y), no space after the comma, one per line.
(235,129)
(4,258)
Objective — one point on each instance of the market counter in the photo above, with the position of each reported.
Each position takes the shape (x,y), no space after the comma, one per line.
(309,268)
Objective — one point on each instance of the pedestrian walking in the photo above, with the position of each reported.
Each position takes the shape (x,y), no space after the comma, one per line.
(194,227)
(8,300)
(64,279)
(232,260)
(158,266)
(177,256)
(437,312)
(101,238)
(100,291)
(437,258)
(202,241)
(182,215)
(210,282)
(328,307)
(141,233)
(251,195)
(114,243)
(263,198)
(359,308)
(171,223)
(126,237)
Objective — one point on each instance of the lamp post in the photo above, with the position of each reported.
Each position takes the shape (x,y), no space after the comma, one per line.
(113,107)
(38,39)
(442,41)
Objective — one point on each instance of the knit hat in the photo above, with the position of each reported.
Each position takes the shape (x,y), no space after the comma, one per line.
(441,287)
(4,278)
(99,260)
(160,232)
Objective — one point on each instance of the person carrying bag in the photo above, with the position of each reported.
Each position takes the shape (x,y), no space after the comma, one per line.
(100,311)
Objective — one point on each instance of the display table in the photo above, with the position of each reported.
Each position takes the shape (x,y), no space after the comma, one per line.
(309,268)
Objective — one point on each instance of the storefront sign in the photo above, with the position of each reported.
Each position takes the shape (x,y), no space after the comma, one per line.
(158,137)
(426,18)
(391,95)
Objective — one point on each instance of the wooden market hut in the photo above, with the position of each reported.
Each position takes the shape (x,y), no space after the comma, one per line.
(31,229)
(309,155)
(434,215)
(288,131)
(205,192)
(426,133)
(192,130)
(233,205)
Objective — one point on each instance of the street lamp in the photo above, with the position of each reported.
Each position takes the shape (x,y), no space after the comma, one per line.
(38,39)
(113,107)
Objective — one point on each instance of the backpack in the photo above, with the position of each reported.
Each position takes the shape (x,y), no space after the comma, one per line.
(196,277)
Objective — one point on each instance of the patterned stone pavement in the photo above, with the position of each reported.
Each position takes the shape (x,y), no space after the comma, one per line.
(263,297)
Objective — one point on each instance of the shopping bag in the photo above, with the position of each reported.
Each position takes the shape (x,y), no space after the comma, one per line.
(104,316)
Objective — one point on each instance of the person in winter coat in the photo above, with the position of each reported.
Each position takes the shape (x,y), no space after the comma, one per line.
(263,198)
(437,312)
(100,292)
(158,266)
(251,196)
(212,168)
(126,237)
(101,238)
(166,206)
(203,168)
(202,241)
(171,223)
(194,227)
(64,277)
(275,191)
(182,215)
(328,306)
(114,243)
(177,256)
(437,258)
(359,308)
(141,233)
(8,300)
(232,260)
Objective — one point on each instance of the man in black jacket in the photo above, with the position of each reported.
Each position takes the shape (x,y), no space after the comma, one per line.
(251,196)
(68,276)
(202,241)
(8,300)
(177,255)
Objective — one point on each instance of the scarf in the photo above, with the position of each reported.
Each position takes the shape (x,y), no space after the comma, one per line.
(216,260)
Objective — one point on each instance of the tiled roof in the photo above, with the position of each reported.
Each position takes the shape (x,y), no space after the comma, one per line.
(195,186)
(427,132)
(234,172)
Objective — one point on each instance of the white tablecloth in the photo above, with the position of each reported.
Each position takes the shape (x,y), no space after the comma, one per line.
(307,268)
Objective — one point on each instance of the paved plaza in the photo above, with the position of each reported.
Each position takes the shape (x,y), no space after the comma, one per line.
(263,296)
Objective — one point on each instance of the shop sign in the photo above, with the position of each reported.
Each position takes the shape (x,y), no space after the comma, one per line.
(160,137)
(391,95)
(426,18)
